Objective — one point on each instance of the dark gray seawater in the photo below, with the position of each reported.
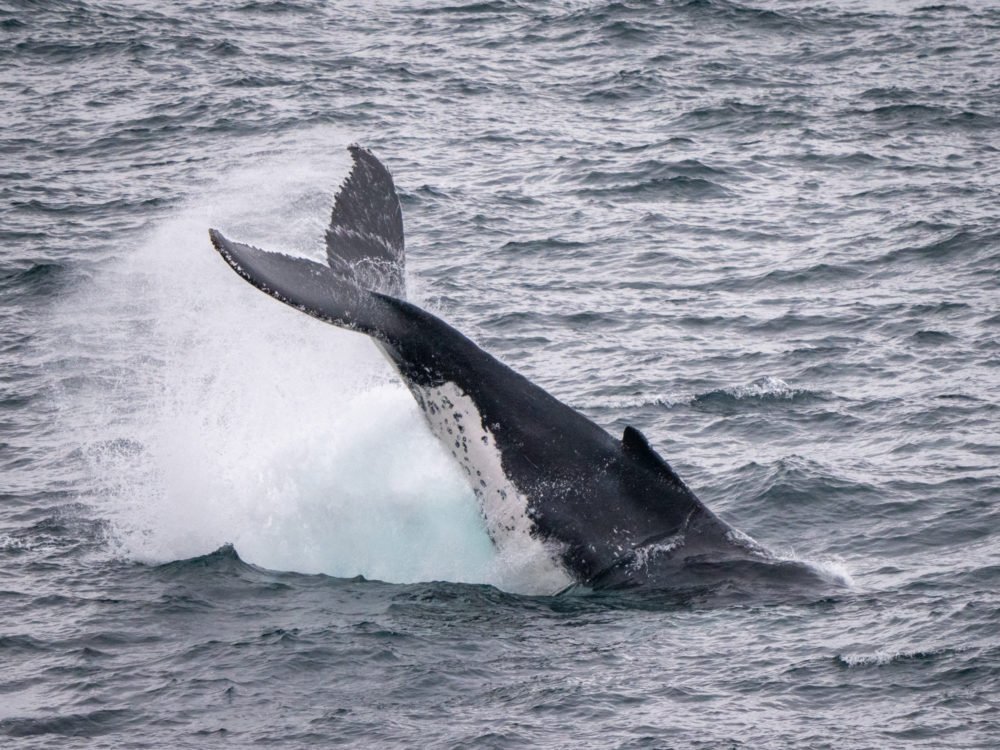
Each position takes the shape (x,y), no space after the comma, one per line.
(766,234)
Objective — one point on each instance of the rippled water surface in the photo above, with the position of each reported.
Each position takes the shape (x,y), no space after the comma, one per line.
(767,235)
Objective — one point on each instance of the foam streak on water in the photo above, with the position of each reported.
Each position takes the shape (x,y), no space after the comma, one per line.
(765,234)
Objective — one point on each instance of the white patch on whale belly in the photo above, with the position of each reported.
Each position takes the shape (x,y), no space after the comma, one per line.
(456,422)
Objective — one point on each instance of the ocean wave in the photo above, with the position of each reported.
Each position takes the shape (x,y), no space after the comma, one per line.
(653,169)
(622,85)
(679,187)
(910,114)
(890,657)
(39,278)
(795,495)
(475,8)
(636,401)
(764,390)
(816,274)
(954,245)
(631,32)
(225,559)
(682,179)
(767,389)
(274,6)
(12,644)
(66,52)
(86,724)
(927,337)
(889,93)
(550,247)
(747,16)
(734,114)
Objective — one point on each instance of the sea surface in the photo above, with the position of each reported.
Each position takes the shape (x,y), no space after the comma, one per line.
(765,233)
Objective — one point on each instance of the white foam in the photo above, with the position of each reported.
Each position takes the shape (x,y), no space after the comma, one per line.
(882,657)
(647,554)
(766,387)
(833,570)
(232,418)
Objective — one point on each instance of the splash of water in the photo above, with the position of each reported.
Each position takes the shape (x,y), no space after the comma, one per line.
(230,418)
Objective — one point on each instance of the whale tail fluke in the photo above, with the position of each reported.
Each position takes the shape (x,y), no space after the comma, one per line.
(364,242)
(311,287)
(365,255)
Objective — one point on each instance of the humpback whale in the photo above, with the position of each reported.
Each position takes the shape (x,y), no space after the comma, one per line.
(609,512)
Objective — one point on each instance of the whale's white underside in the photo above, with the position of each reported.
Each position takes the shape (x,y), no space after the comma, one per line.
(456,422)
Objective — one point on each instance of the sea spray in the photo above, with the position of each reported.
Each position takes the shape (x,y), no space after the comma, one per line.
(240,421)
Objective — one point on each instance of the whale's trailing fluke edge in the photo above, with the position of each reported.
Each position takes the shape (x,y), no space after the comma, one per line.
(365,236)
(609,512)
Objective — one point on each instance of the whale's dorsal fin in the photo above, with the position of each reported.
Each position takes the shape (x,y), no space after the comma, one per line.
(636,445)
(364,242)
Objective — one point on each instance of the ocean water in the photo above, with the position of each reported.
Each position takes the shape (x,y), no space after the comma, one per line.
(766,234)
